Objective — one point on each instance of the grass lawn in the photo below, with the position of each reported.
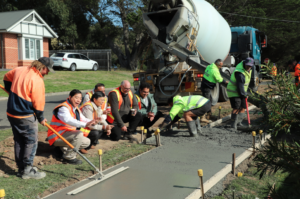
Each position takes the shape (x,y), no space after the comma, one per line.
(82,80)
(59,175)
(249,186)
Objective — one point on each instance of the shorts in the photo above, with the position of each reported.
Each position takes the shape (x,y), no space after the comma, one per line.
(237,102)
(203,109)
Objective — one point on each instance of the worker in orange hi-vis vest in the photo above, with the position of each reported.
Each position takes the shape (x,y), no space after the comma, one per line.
(124,108)
(274,73)
(88,95)
(294,66)
(92,110)
(70,123)
(25,108)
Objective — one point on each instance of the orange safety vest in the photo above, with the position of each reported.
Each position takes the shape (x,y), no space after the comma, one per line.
(139,101)
(274,71)
(297,70)
(89,103)
(110,117)
(61,127)
(90,94)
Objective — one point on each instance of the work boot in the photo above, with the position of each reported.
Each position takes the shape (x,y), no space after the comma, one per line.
(198,126)
(192,128)
(30,172)
(21,171)
(73,161)
(131,138)
(234,120)
(204,120)
(241,118)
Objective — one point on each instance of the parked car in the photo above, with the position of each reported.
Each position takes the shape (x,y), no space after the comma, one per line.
(73,61)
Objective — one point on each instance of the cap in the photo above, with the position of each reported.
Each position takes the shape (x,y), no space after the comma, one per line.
(249,61)
(47,62)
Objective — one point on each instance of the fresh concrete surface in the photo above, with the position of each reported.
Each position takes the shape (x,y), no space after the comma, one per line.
(169,171)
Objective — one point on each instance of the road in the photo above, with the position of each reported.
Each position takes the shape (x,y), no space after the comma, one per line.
(51,103)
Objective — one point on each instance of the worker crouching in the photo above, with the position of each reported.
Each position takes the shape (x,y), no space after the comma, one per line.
(70,123)
(237,90)
(94,109)
(190,108)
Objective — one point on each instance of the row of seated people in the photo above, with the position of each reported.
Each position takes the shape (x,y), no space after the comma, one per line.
(83,123)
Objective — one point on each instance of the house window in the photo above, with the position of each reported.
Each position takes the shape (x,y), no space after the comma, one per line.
(32,48)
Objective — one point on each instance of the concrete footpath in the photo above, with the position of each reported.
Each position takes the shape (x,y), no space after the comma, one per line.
(169,171)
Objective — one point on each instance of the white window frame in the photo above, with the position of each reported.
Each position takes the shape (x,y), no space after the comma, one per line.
(34,39)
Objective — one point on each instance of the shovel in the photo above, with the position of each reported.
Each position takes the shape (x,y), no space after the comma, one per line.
(248,116)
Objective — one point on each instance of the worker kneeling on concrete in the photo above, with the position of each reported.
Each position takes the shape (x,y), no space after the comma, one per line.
(237,90)
(93,110)
(25,107)
(70,123)
(190,108)
(211,77)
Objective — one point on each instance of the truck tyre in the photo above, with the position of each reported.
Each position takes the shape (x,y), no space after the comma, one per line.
(214,95)
(223,97)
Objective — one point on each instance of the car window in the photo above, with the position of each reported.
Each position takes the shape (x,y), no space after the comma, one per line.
(58,55)
(84,57)
(76,56)
(71,56)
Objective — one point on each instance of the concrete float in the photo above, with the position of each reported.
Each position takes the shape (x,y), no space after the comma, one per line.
(170,171)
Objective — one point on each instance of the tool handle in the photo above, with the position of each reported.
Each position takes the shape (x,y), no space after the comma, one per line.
(248,117)
(61,137)
(4,89)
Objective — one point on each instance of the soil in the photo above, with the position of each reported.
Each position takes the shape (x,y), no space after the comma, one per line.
(46,155)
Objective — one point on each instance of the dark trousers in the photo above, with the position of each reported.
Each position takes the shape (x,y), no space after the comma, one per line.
(25,132)
(206,92)
(116,132)
(94,135)
(146,121)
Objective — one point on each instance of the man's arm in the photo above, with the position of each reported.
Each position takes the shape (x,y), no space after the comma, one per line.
(8,78)
(38,98)
(218,76)
(240,81)
(175,110)
(113,101)
(65,116)
(134,103)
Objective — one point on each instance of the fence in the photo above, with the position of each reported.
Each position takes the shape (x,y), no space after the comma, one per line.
(102,56)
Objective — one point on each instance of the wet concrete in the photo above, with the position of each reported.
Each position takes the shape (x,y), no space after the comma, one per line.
(170,171)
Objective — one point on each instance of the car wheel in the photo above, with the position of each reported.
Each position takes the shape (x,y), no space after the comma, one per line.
(95,67)
(73,67)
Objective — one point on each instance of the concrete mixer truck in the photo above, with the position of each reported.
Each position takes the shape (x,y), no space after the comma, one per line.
(187,36)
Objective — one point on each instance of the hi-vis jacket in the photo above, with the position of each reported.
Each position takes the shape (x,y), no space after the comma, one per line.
(187,103)
(61,127)
(110,117)
(27,93)
(232,87)
(212,74)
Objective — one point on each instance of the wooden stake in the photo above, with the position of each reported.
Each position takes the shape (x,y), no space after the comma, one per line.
(220,112)
(260,134)
(253,140)
(142,134)
(2,193)
(200,174)
(178,124)
(233,164)
(157,134)
(100,159)
(145,132)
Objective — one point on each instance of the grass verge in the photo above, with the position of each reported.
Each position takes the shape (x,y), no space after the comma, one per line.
(249,186)
(58,175)
(67,80)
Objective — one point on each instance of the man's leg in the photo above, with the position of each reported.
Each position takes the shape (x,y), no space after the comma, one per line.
(93,136)
(77,139)
(236,103)
(116,133)
(206,92)
(133,123)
